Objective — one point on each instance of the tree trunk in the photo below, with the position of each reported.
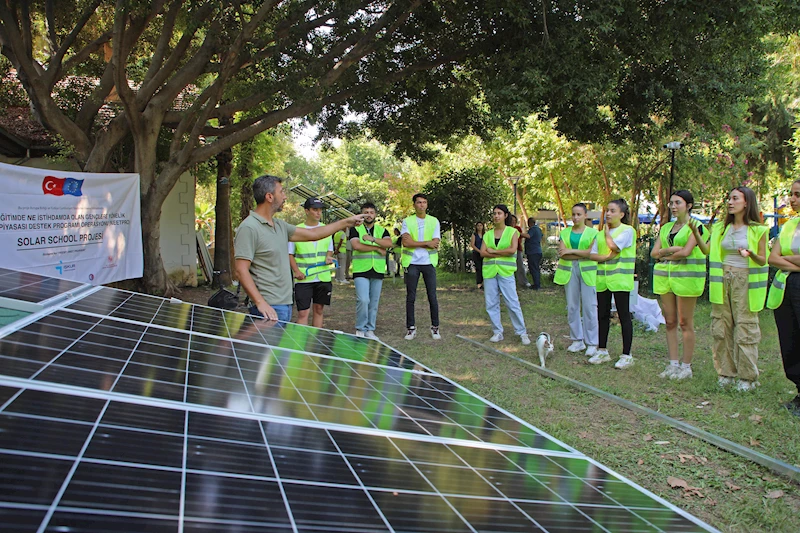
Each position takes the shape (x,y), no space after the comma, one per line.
(558,198)
(222,233)
(155,280)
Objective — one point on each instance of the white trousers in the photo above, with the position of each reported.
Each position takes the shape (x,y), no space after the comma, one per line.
(582,327)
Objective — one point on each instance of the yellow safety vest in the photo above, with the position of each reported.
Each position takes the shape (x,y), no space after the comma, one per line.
(778,287)
(413,230)
(757,276)
(616,274)
(683,277)
(502,266)
(341,238)
(588,268)
(312,253)
(372,260)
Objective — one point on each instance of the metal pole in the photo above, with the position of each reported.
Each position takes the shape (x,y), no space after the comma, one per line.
(515,197)
(671,173)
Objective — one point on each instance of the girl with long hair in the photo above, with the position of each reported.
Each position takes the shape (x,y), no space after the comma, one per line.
(475,243)
(578,273)
(784,296)
(737,288)
(616,259)
(679,277)
(499,252)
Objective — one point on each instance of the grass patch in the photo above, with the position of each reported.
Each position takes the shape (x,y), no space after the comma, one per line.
(733,489)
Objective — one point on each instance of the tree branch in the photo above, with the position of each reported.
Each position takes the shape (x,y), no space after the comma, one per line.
(83,54)
(163,39)
(50,17)
(54,67)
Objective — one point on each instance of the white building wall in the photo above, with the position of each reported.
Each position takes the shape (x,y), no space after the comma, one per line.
(178,241)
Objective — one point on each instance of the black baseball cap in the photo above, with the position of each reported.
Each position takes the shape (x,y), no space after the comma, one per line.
(313,202)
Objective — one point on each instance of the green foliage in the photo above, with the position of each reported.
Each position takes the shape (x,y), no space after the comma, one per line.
(460,198)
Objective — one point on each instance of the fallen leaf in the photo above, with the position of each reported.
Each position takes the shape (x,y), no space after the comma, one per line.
(754,442)
(755,418)
(640,462)
(735,415)
(685,457)
(648,437)
(757,409)
(711,502)
(676,482)
(661,442)
(704,403)
(699,406)
(774,494)
(732,486)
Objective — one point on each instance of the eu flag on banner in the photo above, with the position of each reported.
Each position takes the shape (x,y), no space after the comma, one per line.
(61,186)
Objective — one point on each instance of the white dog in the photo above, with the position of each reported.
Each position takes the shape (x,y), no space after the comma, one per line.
(545,347)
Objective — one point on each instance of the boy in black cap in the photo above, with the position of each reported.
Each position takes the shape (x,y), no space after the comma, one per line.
(309,262)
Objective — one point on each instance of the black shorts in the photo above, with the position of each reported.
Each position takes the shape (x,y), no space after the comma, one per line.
(319,292)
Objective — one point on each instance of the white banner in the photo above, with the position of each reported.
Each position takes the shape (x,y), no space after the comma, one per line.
(72,225)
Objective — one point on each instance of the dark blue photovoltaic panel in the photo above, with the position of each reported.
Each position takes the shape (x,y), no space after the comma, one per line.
(32,287)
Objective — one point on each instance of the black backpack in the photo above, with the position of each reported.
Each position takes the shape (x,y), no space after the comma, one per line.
(223,298)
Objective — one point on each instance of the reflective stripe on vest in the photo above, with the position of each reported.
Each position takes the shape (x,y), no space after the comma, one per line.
(757,276)
(502,266)
(587,267)
(413,230)
(311,253)
(616,274)
(683,277)
(778,288)
(372,260)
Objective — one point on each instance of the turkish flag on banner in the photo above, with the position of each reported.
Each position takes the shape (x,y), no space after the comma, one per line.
(53,185)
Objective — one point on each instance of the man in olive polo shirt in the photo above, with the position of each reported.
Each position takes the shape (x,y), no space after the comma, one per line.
(262,258)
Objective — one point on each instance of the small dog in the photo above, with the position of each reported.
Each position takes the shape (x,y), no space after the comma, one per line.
(545,347)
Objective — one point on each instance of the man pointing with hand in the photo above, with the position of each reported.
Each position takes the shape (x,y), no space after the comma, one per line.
(262,259)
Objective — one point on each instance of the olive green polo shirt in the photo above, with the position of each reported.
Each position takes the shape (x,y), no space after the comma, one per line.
(266,247)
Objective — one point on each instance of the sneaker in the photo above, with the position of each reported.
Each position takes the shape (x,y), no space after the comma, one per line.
(590,351)
(600,357)
(412,332)
(525,339)
(624,361)
(576,346)
(360,333)
(497,337)
(683,372)
(670,371)
(435,333)
(371,335)
(745,385)
(725,381)
(793,406)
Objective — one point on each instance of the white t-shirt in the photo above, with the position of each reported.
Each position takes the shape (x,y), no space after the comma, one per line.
(623,240)
(291,244)
(421,256)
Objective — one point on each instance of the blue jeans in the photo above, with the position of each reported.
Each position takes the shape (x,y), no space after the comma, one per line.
(284,312)
(492,289)
(368,295)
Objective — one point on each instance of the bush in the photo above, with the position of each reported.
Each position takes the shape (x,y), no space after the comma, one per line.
(447,257)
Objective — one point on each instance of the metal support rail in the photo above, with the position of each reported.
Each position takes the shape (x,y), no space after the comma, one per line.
(776,465)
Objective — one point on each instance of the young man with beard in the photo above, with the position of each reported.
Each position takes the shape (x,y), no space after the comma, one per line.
(370,242)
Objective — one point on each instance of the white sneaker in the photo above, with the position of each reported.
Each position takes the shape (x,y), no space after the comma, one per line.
(683,372)
(624,361)
(600,357)
(724,381)
(590,351)
(669,371)
(371,335)
(360,333)
(497,337)
(435,333)
(412,332)
(744,385)
(576,346)
(525,339)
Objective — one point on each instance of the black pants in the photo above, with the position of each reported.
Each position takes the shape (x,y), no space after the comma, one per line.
(478,261)
(787,318)
(623,301)
(412,280)
(535,265)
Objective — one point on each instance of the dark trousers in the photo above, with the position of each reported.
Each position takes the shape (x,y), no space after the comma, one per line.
(534,265)
(412,280)
(787,318)
(478,261)
(623,301)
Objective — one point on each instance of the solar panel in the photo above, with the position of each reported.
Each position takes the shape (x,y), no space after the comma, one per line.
(334,200)
(34,288)
(303,191)
(125,412)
